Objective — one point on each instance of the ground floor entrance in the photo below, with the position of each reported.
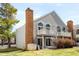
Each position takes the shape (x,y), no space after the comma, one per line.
(39,42)
(45,41)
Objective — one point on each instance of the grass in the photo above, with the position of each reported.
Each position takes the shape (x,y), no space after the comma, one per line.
(45,52)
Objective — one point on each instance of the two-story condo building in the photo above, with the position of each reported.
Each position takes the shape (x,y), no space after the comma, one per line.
(42,31)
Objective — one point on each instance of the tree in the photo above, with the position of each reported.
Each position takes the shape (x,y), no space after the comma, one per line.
(14,36)
(7,20)
(2,36)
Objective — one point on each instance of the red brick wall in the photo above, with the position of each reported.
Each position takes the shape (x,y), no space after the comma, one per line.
(29,26)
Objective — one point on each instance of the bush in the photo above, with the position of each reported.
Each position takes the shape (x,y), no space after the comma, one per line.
(64,43)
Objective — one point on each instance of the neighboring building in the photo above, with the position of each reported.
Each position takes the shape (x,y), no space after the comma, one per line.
(76,32)
(42,31)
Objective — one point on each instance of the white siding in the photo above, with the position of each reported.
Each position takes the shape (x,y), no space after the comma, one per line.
(52,19)
(20,37)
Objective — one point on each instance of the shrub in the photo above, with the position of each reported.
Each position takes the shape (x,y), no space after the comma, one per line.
(64,43)
(69,43)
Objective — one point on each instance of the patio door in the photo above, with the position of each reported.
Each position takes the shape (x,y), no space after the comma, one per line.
(39,40)
(48,42)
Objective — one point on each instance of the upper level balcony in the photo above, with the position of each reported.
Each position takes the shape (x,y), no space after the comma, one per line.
(53,33)
(66,34)
(77,35)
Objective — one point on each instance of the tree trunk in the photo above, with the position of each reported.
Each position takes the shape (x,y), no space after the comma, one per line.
(2,42)
(15,40)
(9,45)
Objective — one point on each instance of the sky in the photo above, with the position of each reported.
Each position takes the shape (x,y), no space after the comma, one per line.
(66,11)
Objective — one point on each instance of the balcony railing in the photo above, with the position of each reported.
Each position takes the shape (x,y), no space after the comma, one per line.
(51,32)
(77,35)
(64,34)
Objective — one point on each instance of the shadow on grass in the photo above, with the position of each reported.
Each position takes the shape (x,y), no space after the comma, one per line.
(60,48)
(9,50)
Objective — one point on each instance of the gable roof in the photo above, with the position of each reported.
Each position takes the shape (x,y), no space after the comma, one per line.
(57,19)
(42,17)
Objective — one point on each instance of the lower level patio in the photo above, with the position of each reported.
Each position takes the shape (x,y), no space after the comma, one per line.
(47,41)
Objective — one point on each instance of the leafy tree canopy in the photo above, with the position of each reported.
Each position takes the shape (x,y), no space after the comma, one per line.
(7,20)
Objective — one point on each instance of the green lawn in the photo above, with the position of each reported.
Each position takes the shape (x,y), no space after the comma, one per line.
(45,52)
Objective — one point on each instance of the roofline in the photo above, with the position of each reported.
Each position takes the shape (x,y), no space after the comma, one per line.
(43,16)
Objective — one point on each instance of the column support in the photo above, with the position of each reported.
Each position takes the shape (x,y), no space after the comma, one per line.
(42,41)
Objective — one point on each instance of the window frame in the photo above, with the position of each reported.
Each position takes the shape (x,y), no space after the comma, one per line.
(63,29)
(48,26)
(48,42)
(58,29)
(40,26)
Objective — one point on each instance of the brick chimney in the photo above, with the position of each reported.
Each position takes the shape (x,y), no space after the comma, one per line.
(70,28)
(70,25)
(29,26)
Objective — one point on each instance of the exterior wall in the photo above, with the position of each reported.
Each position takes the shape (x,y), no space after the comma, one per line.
(20,37)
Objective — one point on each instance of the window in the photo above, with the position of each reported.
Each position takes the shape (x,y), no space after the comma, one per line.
(47,26)
(48,42)
(77,39)
(58,29)
(63,29)
(77,32)
(40,42)
(40,26)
